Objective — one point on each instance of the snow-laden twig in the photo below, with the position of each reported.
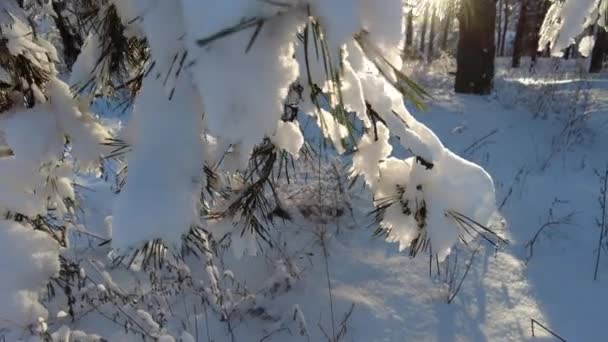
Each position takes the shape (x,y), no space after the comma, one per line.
(534,322)
(551,221)
(601,222)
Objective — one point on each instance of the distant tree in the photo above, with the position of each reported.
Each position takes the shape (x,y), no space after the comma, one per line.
(432,35)
(409,32)
(519,35)
(70,39)
(409,38)
(499,27)
(531,16)
(507,11)
(447,24)
(598,54)
(476,47)
(425,22)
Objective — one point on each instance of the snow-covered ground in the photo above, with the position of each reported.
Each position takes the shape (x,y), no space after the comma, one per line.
(543,143)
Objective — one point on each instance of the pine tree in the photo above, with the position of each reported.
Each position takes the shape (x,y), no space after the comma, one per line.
(503,39)
(432,35)
(600,49)
(447,24)
(476,47)
(499,28)
(409,35)
(423,29)
(214,124)
(531,16)
(70,39)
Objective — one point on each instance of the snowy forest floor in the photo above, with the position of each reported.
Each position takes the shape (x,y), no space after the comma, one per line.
(542,138)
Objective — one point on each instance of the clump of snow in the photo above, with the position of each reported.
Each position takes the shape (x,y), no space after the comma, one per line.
(186,337)
(340,21)
(149,321)
(85,133)
(28,258)
(160,198)
(84,69)
(586,45)
(385,24)
(564,21)
(166,338)
(21,41)
(332,129)
(372,150)
(65,334)
(288,137)
(48,143)
(421,193)
(248,101)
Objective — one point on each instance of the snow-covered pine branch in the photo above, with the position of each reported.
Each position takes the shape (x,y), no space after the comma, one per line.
(566,20)
(210,86)
(221,76)
(46,138)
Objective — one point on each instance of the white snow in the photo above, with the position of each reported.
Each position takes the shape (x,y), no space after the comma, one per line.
(27,259)
(166,152)
(288,137)
(248,101)
(85,68)
(586,46)
(207,101)
(564,21)
(147,318)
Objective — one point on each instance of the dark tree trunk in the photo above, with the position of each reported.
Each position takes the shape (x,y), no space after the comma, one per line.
(71,40)
(567,52)
(446,26)
(432,35)
(499,24)
(518,43)
(425,22)
(409,33)
(598,54)
(476,47)
(531,16)
(505,29)
(540,11)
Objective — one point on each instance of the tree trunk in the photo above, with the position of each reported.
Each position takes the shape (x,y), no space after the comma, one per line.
(432,36)
(409,34)
(447,25)
(505,27)
(567,52)
(71,40)
(540,11)
(518,43)
(499,24)
(598,54)
(425,22)
(531,16)
(476,47)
